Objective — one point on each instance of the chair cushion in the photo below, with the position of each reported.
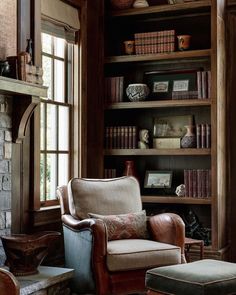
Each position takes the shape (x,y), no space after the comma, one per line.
(125,226)
(140,254)
(103,196)
(203,277)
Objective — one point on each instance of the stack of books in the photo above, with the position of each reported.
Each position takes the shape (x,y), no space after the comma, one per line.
(204,84)
(154,42)
(114,88)
(121,137)
(110,173)
(203,136)
(197,183)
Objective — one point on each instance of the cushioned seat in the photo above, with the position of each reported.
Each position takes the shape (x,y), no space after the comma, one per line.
(139,254)
(202,277)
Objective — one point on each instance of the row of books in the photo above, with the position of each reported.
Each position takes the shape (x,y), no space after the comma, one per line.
(197,183)
(110,173)
(114,89)
(203,135)
(121,137)
(204,84)
(154,42)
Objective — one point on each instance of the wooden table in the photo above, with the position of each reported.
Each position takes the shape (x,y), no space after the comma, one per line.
(188,242)
(49,280)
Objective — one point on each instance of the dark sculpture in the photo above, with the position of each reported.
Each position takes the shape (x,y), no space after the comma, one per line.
(194,229)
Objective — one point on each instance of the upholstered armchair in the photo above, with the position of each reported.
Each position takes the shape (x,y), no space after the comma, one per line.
(8,283)
(108,240)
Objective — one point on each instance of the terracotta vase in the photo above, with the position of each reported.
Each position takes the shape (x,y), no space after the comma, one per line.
(189,139)
(130,169)
(26,252)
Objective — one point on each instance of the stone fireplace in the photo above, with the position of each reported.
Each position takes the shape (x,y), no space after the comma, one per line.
(5,169)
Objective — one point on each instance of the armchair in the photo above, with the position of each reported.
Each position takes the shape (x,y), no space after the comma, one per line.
(105,266)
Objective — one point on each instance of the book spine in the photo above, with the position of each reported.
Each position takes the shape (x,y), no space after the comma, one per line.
(190,178)
(126,137)
(199,183)
(114,144)
(121,88)
(122,137)
(134,136)
(208,184)
(199,84)
(186,182)
(203,135)
(198,136)
(194,173)
(204,85)
(130,137)
(208,84)
(204,183)
(208,136)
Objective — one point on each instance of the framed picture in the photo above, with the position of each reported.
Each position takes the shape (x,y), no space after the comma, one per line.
(163,83)
(158,179)
(171,126)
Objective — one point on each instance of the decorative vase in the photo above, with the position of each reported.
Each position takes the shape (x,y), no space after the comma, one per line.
(130,169)
(137,91)
(26,252)
(189,139)
(140,3)
(183,42)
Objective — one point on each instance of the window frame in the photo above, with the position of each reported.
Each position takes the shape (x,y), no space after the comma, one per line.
(69,102)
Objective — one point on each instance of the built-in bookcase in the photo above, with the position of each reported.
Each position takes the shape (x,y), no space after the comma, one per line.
(204,21)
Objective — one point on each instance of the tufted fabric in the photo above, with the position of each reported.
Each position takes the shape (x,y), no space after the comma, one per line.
(138,254)
(203,277)
(125,226)
(103,196)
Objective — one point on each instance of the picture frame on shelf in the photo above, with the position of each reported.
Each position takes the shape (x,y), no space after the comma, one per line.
(171,126)
(163,83)
(158,179)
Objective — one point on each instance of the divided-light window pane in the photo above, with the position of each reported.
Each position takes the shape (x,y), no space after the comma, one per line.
(46,43)
(63,172)
(59,47)
(59,77)
(63,128)
(47,74)
(42,126)
(51,179)
(42,177)
(51,127)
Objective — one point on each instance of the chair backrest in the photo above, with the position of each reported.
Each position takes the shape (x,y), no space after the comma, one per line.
(8,283)
(103,196)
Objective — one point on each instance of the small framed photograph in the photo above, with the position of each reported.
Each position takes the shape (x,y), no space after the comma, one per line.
(158,179)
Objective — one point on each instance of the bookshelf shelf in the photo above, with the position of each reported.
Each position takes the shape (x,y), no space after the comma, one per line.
(181,8)
(176,200)
(157,152)
(192,54)
(159,104)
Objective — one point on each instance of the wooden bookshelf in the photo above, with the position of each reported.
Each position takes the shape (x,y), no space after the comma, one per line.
(176,200)
(204,21)
(160,104)
(160,56)
(157,152)
(180,8)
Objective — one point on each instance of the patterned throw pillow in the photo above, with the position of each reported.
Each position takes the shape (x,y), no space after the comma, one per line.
(124,226)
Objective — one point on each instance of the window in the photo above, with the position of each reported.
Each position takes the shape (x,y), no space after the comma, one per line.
(55,110)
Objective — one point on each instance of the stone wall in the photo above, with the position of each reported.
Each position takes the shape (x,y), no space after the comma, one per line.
(8,45)
(5,169)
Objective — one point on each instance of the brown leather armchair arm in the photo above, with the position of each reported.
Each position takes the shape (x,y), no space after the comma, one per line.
(168,228)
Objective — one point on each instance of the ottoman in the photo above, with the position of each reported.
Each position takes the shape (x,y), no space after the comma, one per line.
(211,277)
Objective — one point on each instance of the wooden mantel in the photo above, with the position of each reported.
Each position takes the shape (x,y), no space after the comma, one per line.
(26,96)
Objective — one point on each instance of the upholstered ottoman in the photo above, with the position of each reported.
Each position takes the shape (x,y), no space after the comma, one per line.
(205,277)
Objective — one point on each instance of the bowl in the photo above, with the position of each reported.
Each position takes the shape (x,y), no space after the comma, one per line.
(137,92)
(26,252)
(121,4)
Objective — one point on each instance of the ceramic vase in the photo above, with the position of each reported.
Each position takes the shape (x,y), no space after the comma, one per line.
(130,169)
(189,139)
